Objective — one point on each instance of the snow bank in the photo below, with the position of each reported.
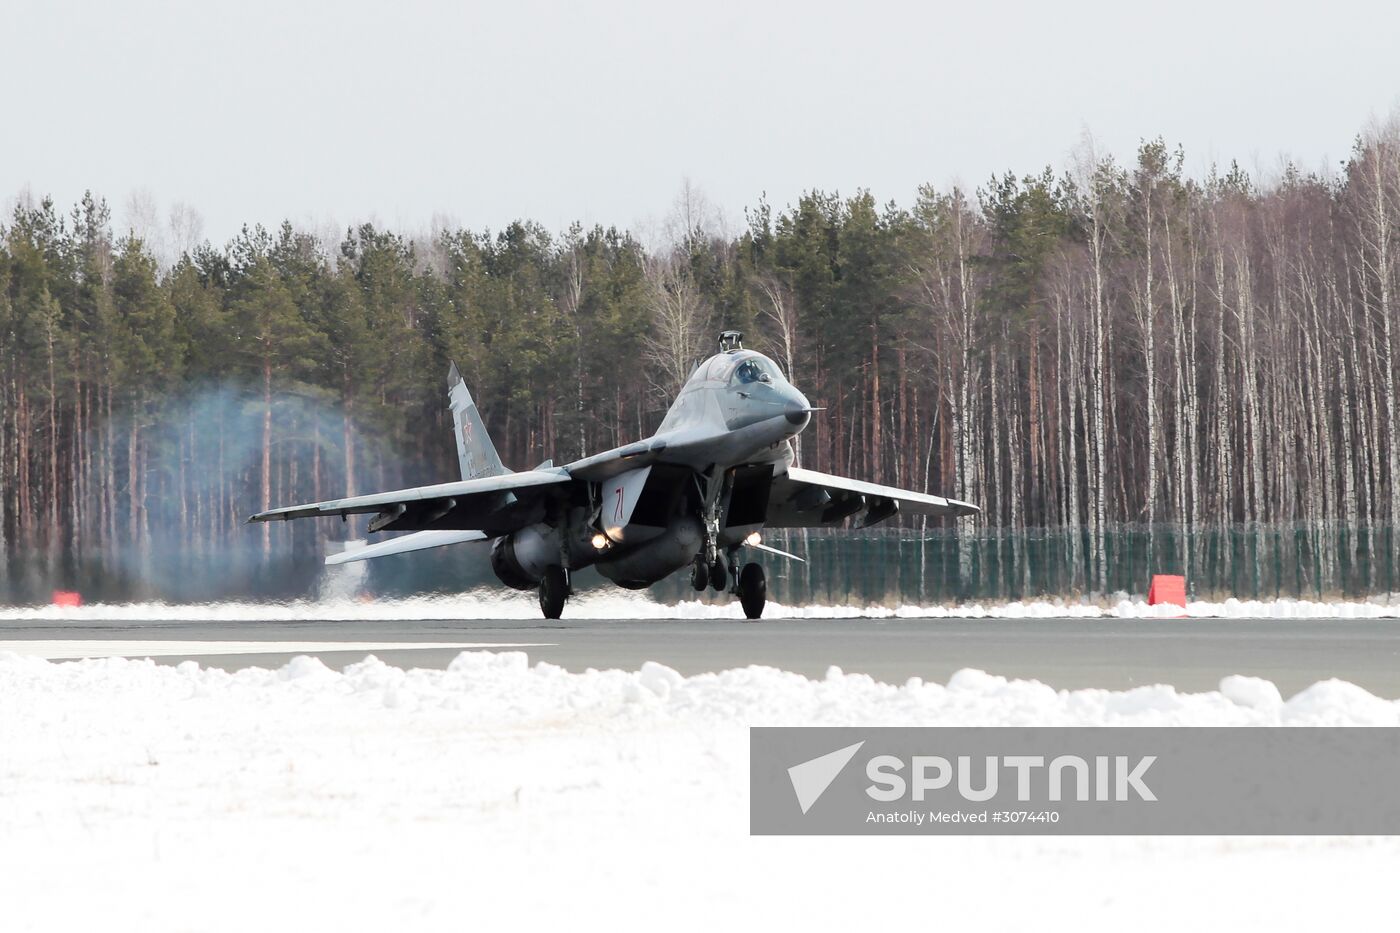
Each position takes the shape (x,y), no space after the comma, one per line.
(612,604)
(502,690)
(1378,607)
(499,795)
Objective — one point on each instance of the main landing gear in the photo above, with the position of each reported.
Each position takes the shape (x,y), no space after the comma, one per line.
(554,589)
(752,588)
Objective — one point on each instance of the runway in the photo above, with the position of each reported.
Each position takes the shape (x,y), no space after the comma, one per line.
(1191,654)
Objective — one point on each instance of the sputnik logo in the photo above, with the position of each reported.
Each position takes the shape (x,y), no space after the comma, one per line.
(811,778)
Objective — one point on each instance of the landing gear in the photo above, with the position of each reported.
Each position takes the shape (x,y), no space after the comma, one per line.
(719,576)
(554,589)
(699,575)
(753,590)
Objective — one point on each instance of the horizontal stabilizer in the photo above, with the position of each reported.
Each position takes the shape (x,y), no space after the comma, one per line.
(418,541)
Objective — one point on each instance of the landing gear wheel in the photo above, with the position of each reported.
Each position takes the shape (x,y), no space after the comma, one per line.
(699,575)
(554,589)
(719,576)
(753,590)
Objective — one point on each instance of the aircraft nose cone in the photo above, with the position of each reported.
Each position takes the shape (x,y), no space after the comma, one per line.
(797,412)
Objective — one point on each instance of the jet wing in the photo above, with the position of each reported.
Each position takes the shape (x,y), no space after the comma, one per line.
(808,499)
(464,504)
(418,541)
(610,463)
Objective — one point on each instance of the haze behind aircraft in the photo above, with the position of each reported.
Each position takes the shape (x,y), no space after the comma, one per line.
(698,491)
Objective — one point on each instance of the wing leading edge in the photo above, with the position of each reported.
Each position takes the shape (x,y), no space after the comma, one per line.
(808,499)
(444,496)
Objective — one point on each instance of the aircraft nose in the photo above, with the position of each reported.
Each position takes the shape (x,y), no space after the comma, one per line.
(798,411)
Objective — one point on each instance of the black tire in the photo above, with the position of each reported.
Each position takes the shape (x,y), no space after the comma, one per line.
(719,576)
(554,589)
(699,575)
(753,590)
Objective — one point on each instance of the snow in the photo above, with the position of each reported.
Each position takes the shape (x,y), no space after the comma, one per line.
(497,794)
(160,648)
(613,604)
(1254,692)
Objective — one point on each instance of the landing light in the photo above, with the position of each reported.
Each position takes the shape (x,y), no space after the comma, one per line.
(753,539)
(599,542)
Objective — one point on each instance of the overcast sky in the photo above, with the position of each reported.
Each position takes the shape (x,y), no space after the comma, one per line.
(333,112)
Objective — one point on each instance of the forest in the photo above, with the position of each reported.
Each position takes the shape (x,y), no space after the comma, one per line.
(1116,344)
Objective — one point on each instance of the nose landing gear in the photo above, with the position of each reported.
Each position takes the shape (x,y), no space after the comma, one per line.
(711,568)
(700,574)
(719,575)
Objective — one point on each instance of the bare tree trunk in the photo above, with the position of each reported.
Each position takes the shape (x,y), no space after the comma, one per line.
(77,473)
(266,472)
(133,484)
(1100,493)
(1035,492)
(1249,365)
(53,530)
(5,409)
(1184,377)
(1147,321)
(876,464)
(680,324)
(995,489)
(1382,234)
(1223,477)
(109,458)
(22,435)
(781,310)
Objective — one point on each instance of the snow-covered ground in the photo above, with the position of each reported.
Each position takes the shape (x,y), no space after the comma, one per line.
(500,795)
(604,604)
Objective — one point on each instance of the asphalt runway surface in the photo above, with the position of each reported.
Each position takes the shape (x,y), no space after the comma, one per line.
(1190,654)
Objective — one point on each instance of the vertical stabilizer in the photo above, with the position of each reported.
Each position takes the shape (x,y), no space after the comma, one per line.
(475,452)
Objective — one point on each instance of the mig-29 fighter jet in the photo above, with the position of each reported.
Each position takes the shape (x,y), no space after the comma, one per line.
(695,494)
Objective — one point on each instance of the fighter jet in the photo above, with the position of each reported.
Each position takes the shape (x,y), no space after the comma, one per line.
(697,493)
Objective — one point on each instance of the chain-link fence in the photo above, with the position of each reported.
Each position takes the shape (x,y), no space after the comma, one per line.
(877,566)
(907,566)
